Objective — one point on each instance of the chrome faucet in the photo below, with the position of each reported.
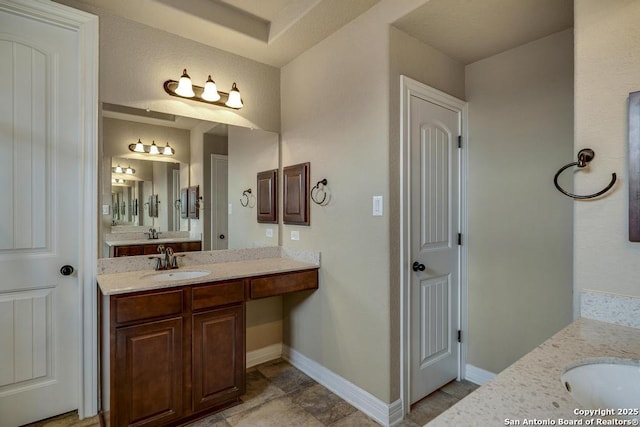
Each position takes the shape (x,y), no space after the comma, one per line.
(166,260)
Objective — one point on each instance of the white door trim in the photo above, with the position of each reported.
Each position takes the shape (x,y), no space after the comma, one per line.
(86,25)
(408,88)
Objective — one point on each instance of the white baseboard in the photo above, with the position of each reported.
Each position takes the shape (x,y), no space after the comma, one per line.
(477,375)
(387,414)
(264,354)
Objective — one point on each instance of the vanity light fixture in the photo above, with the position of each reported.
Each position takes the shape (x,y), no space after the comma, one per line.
(208,94)
(152,149)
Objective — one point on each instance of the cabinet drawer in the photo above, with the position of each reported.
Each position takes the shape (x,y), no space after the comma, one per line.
(215,294)
(141,307)
(283,283)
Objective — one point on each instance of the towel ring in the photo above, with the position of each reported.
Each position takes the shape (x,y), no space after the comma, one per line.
(245,200)
(317,190)
(584,157)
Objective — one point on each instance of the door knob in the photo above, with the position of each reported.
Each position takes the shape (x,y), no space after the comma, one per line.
(66,270)
(418,267)
(221,237)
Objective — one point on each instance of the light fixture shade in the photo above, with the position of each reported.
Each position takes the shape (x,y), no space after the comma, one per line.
(234,100)
(167,151)
(139,147)
(118,169)
(210,92)
(154,148)
(184,86)
(129,171)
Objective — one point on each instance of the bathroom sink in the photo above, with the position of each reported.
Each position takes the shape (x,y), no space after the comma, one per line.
(605,383)
(166,276)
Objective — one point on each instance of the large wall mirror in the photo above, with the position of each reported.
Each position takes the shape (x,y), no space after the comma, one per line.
(142,191)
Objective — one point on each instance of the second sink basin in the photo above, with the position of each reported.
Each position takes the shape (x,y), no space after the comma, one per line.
(605,383)
(167,276)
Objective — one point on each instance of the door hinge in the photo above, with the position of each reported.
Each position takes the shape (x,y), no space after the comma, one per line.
(459,141)
(459,239)
(459,335)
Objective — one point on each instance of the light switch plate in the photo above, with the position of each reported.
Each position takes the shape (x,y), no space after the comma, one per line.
(230,208)
(269,232)
(377,205)
(295,235)
(105,209)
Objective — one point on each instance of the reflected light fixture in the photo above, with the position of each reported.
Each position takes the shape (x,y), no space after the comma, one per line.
(152,149)
(208,94)
(128,171)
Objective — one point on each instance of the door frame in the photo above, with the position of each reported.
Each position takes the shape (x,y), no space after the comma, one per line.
(409,88)
(86,26)
(214,199)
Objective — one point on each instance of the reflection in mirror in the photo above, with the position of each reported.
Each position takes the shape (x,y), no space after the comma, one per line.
(222,161)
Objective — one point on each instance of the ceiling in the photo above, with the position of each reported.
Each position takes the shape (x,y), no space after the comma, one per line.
(470,30)
(276,31)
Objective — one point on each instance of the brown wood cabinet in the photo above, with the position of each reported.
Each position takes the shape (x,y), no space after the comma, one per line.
(173,355)
(152,248)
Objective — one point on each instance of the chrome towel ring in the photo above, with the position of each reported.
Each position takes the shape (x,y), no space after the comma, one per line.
(584,157)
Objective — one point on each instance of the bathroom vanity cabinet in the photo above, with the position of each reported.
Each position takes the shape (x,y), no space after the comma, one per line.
(175,354)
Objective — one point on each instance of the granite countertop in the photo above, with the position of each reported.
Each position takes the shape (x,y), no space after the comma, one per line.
(142,280)
(150,241)
(531,388)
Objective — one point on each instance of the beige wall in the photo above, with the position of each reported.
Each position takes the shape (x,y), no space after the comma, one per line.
(607,70)
(335,115)
(419,61)
(519,225)
(136,59)
(250,152)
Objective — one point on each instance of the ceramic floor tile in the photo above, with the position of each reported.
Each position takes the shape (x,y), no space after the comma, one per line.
(286,377)
(431,406)
(459,389)
(280,412)
(259,390)
(216,420)
(322,404)
(70,419)
(357,419)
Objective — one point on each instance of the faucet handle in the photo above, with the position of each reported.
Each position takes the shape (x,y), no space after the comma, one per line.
(161,249)
(169,251)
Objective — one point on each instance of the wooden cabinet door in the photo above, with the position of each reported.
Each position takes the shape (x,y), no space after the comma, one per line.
(147,381)
(218,357)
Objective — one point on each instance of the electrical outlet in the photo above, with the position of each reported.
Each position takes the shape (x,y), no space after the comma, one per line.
(105,209)
(269,232)
(230,208)
(295,235)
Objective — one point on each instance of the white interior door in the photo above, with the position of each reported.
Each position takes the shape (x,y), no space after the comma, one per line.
(219,202)
(434,284)
(40,189)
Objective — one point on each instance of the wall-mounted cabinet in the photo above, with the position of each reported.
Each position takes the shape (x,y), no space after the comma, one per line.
(267,196)
(194,202)
(296,194)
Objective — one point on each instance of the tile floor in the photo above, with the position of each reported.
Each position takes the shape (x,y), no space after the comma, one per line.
(280,395)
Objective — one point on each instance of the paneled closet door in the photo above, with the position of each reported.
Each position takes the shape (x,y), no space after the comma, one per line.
(40,161)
